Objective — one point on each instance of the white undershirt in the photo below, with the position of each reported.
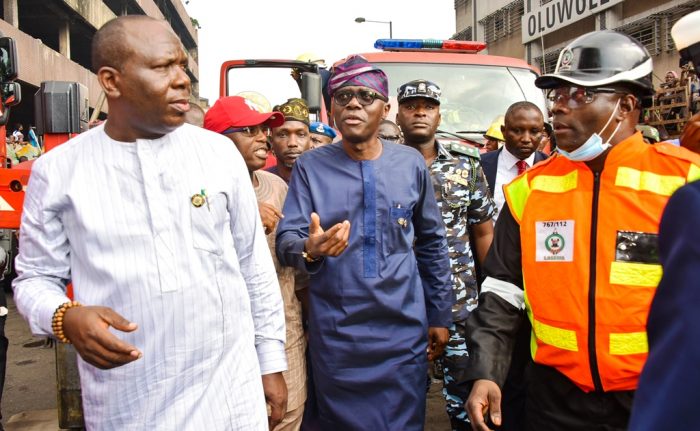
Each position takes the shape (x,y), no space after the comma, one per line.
(506,171)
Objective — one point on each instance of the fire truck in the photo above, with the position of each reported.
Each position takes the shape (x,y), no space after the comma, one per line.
(476,88)
(12,183)
(61,111)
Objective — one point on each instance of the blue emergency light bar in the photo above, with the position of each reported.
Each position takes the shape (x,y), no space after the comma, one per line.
(429,45)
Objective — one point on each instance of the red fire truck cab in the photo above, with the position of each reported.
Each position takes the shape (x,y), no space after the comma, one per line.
(476,88)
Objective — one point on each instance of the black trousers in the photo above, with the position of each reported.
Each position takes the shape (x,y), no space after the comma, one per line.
(555,403)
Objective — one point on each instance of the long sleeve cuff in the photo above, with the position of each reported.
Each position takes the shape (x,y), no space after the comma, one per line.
(491,332)
(38,308)
(271,356)
(440,318)
(311,268)
(45,311)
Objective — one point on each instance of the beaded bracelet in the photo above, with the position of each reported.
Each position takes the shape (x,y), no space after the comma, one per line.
(57,320)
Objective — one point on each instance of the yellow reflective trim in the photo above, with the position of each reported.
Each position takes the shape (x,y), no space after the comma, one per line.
(555,184)
(630,343)
(518,191)
(663,185)
(530,317)
(693,173)
(635,274)
(564,339)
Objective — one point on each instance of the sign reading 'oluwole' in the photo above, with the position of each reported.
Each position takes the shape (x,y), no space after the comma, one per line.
(546,18)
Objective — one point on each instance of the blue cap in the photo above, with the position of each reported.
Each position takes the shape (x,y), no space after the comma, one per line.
(322,129)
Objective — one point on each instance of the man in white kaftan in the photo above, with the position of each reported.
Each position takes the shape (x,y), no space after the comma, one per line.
(167,237)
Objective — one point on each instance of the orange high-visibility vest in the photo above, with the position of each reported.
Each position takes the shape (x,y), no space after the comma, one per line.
(589,259)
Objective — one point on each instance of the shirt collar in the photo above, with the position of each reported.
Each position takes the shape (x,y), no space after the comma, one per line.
(510,160)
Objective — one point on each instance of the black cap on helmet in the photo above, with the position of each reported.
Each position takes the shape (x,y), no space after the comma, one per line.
(602,58)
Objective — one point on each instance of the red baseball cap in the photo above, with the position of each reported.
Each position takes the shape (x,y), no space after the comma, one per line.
(237,111)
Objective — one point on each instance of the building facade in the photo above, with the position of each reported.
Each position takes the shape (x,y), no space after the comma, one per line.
(53,40)
(537,30)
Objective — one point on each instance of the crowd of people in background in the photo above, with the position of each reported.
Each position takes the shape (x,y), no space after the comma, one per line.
(325,286)
(22,145)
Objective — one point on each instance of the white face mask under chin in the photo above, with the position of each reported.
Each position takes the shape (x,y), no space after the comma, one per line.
(594,146)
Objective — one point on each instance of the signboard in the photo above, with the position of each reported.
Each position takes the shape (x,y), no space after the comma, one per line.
(544,19)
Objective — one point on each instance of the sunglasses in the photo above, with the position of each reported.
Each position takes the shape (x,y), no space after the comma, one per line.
(249,131)
(364,97)
(577,95)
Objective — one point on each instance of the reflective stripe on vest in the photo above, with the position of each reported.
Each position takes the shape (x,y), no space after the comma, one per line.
(518,191)
(630,343)
(635,274)
(663,185)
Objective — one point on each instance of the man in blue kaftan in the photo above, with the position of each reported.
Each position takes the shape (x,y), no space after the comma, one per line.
(361,218)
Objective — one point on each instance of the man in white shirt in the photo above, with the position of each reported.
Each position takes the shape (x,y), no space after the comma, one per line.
(150,236)
(522,131)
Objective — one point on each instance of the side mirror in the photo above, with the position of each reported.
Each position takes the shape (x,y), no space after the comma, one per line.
(8,59)
(311,90)
(11,93)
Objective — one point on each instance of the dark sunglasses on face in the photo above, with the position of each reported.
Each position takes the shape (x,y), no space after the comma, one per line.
(364,97)
(577,95)
(249,131)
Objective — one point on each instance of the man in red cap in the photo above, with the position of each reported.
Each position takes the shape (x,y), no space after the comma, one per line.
(239,117)
(236,118)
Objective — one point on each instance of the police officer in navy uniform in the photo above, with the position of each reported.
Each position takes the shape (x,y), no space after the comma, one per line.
(466,206)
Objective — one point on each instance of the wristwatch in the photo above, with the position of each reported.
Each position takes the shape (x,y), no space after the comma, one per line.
(308,258)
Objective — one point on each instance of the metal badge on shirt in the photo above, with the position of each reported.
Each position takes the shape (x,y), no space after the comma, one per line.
(555,241)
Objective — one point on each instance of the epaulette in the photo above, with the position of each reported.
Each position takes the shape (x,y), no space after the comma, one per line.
(675,151)
(463,149)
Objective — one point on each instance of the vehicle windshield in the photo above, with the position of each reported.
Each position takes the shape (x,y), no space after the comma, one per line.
(473,96)
(267,86)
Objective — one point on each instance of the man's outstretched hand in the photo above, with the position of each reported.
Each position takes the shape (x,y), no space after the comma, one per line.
(86,327)
(326,243)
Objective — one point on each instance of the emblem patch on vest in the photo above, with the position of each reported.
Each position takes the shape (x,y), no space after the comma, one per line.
(555,241)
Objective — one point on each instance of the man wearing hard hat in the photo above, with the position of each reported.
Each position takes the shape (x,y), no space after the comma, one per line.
(668,387)
(493,136)
(574,248)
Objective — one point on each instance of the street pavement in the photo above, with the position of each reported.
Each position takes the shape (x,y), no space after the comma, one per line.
(29,399)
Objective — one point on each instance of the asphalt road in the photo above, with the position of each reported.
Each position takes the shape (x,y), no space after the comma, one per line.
(30,383)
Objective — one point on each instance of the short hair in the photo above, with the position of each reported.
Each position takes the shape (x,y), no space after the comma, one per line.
(523,104)
(108,45)
(389,122)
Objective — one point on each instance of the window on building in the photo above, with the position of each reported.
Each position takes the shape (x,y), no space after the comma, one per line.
(646,31)
(465,34)
(503,22)
(548,62)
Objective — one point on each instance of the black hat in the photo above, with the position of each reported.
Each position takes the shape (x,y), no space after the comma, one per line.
(419,88)
(602,58)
